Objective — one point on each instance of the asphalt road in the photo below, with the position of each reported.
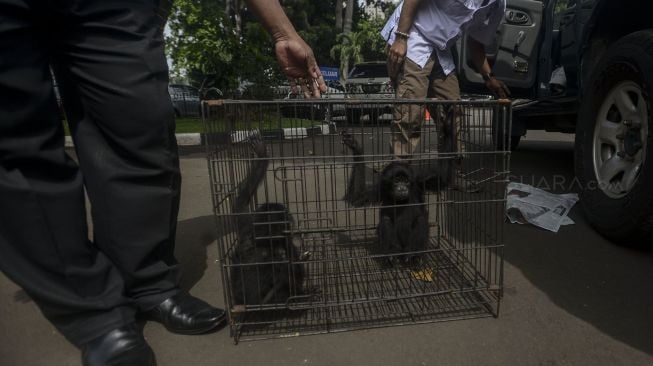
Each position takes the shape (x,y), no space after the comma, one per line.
(571,298)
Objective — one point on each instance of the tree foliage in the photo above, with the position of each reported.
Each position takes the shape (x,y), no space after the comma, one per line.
(205,46)
(211,48)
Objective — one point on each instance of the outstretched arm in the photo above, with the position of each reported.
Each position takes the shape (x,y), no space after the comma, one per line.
(293,54)
(359,193)
(494,85)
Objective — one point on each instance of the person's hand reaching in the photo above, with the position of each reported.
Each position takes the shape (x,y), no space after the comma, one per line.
(298,63)
(497,87)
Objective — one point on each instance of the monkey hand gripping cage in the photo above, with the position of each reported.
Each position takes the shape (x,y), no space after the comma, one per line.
(302,251)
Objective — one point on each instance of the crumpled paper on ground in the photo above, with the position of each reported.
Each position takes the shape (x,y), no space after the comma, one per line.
(527,204)
(425,275)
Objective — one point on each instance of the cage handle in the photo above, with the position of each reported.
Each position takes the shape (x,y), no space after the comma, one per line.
(281,179)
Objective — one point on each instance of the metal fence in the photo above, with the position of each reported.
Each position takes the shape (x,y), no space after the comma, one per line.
(307,254)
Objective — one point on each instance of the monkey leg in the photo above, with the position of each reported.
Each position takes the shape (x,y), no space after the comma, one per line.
(388,240)
(417,240)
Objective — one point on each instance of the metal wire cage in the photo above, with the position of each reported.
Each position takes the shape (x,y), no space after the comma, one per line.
(335,277)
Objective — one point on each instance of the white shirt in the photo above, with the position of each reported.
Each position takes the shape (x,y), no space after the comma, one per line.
(439,23)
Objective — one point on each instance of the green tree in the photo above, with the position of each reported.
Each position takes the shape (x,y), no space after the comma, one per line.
(364,44)
(220,43)
(347,49)
(373,45)
(201,43)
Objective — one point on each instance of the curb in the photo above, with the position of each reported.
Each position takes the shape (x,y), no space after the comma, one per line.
(197,139)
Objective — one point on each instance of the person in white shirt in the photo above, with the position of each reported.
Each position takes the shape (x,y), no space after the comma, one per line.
(420,36)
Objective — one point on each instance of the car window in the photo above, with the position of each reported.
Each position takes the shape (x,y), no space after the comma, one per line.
(369,71)
(183,91)
(174,90)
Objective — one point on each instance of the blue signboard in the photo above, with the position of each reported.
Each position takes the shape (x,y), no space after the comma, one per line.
(330,73)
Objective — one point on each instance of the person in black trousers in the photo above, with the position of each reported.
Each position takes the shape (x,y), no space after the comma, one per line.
(109,61)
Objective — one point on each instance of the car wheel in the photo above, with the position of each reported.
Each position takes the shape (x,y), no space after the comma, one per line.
(502,137)
(614,142)
(503,142)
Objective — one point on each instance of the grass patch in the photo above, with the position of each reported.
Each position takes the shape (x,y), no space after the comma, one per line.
(195,125)
(191,125)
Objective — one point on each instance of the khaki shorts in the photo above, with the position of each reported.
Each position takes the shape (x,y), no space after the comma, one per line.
(415,82)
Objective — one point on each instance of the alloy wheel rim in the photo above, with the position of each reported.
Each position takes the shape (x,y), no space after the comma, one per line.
(620,139)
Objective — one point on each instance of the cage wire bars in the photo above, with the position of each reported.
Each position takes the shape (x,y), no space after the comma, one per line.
(346,283)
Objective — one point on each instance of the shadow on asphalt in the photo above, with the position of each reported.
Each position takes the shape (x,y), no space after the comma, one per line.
(592,279)
(603,284)
(193,237)
(608,286)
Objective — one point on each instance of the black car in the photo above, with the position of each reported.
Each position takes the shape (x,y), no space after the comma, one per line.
(369,81)
(185,100)
(585,67)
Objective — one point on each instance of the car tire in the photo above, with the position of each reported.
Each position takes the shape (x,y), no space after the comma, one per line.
(514,142)
(372,115)
(502,137)
(502,142)
(614,142)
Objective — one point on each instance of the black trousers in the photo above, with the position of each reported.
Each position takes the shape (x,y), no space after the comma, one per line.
(109,63)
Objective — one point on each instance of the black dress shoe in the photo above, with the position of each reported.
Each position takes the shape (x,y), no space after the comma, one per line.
(185,314)
(124,346)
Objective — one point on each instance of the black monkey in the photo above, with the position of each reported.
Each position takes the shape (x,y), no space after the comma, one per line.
(403,218)
(263,271)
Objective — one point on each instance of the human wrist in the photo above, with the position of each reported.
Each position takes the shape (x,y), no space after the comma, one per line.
(401,35)
(401,40)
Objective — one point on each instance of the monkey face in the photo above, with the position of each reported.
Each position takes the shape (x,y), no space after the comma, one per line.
(401,188)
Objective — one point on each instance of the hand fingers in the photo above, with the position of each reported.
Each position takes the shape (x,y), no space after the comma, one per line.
(396,59)
(317,84)
(309,88)
(293,85)
(313,83)
(499,89)
(394,63)
(316,74)
(314,88)
(305,88)
(505,89)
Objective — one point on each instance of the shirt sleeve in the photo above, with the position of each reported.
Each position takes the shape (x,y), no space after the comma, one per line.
(388,30)
(485,31)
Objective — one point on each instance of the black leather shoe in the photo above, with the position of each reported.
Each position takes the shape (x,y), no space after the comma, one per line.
(185,314)
(124,346)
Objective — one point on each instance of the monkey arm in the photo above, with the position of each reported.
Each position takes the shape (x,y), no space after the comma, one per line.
(434,174)
(247,188)
(359,191)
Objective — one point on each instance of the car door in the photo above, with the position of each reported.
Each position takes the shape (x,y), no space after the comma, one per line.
(573,25)
(514,54)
